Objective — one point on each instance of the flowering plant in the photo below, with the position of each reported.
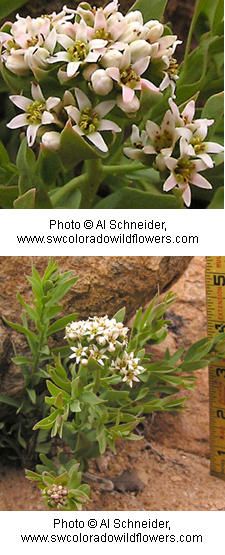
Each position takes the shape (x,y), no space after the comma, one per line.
(93,389)
(80,65)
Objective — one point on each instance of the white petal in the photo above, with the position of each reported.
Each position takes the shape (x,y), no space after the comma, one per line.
(31,134)
(170,183)
(52,102)
(81,33)
(47,118)
(109,125)
(213,147)
(78,130)
(171,163)
(98,141)
(72,68)
(73,113)
(50,41)
(18,121)
(206,159)
(148,150)
(104,107)
(114,73)
(200,181)
(148,85)
(189,110)
(20,101)
(37,92)
(200,165)
(65,41)
(187,196)
(82,100)
(59,57)
(152,128)
(127,94)
(141,65)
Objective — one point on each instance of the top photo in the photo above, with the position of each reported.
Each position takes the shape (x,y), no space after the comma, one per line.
(114,105)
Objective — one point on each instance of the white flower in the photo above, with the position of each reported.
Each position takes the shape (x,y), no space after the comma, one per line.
(198,147)
(37,112)
(128,107)
(79,352)
(138,140)
(98,354)
(79,49)
(127,75)
(163,139)
(185,171)
(89,120)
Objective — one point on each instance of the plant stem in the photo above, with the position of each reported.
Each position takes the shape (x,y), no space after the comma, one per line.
(123,168)
(94,176)
(69,187)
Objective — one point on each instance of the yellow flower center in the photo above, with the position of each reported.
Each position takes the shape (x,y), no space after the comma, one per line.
(89,123)
(78,51)
(183,171)
(198,145)
(129,77)
(35,111)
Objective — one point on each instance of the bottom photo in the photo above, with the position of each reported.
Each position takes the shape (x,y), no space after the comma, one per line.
(112,390)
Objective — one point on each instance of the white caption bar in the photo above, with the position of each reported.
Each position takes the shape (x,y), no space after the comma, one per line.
(107,232)
(179,533)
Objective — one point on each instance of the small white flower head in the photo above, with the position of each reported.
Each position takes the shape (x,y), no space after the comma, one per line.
(98,354)
(155,30)
(162,138)
(128,75)
(139,141)
(37,112)
(198,147)
(78,50)
(89,121)
(185,171)
(79,353)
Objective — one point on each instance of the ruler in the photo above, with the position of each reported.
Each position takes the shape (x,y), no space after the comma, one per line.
(215,300)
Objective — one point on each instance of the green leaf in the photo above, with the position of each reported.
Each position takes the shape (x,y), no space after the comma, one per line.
(47,423)
(214,109)
(74,148)
(10,401)
(7,7)
(26,201)
(32,313)
(22,360)
(218,200)
(120,315)
(60,291)
(32,395)
(75,406)
(151,9)
(22,329)
(7,196)
(93,364)
(61,324)
(133,198)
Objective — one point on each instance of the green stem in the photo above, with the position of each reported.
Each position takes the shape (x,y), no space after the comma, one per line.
(123,168)
(94,176)
(189,38)
(69,187)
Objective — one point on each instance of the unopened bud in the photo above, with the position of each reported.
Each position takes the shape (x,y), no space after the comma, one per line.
(112,58)
(128,107)
(139,49)
(51,140)
(155,30)
(101,82)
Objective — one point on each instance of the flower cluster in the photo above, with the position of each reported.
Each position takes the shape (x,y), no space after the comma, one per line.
(178,145)
(56,496)
(104,340)
(88,120)
(100,47)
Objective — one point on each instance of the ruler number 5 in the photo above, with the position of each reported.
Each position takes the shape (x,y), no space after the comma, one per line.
(219,280)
